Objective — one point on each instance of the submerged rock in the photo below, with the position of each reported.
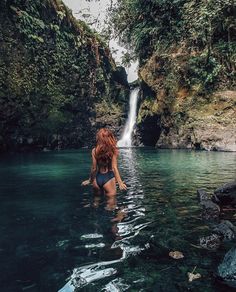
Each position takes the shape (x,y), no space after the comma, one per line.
(227,269)
(211,242)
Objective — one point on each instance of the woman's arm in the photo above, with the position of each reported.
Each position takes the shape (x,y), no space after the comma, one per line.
(121,184)
(93,170)
(93,167)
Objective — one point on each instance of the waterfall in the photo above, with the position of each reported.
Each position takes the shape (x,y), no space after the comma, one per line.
(126,139)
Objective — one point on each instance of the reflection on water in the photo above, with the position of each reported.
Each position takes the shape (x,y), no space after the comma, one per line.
(125,227)
(58,236)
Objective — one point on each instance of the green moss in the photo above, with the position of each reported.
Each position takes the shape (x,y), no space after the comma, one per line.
(105,108)
(53,70)
(149,107)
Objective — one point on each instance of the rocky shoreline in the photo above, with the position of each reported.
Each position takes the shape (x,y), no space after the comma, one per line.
(222,200)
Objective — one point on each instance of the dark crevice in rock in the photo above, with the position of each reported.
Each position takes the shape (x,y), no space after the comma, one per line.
(150,130)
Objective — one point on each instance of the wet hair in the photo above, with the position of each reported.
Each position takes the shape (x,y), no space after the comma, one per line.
(105,147)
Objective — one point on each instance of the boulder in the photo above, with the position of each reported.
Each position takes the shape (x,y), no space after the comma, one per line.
(210,210)
(227,269)
(223,231)
(226,194)
(226,230)
(202,195)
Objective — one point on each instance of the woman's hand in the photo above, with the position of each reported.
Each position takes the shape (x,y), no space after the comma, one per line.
(122,186)
(86,182)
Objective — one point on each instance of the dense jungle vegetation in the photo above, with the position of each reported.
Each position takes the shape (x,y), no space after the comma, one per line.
(203,29)
(59,82)
(54,70)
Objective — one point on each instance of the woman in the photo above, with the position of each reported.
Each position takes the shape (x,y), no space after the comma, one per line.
(104,170)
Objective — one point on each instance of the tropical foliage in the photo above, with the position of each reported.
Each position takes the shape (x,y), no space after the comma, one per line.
(203,29)
(53,70)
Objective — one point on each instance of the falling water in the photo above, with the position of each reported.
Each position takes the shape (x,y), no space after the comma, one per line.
(126,139)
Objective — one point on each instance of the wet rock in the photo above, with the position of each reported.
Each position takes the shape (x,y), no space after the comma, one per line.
(223,231)
(211,242)
(227,269)
(226,194)
(202,195)
(119,75)
(186,119)
(210,210)
(227,188)
(226,230)
(149,130)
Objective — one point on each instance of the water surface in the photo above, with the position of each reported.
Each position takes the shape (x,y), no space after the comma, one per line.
(56,235)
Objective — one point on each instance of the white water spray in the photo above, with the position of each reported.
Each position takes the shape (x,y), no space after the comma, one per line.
(126,139)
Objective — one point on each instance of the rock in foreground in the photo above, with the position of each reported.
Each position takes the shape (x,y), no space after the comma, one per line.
(226,194)
(227,269)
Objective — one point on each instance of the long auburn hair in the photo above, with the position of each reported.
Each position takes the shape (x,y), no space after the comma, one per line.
(105,146)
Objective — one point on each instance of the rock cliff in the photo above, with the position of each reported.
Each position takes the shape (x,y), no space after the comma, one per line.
(56,78)
(173,114)
(187,55)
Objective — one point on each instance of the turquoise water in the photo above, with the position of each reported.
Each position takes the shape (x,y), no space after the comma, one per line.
(56,234)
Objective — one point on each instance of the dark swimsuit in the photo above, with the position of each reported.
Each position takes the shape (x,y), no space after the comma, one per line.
(103,178)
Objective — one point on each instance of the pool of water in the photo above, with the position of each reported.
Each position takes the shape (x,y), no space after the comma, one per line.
(58,236)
